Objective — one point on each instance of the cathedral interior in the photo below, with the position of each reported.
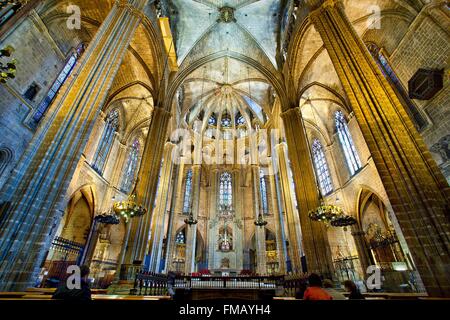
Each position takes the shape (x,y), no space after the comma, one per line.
(264,139)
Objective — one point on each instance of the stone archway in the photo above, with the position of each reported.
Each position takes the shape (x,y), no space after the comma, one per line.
(71,238)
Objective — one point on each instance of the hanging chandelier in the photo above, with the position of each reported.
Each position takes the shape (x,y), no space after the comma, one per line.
(260,222)
(331,215)
(107,218)
(128,209)
(8,69)
(190,220)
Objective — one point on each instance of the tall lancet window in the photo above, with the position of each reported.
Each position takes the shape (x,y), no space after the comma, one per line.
(60,80)
(106,141)
(131,167)
(263,191)
(321,166)
(157,184)
(353,162)
(292,183)
(225,190)
(180,239)
(385,67)
(187,193)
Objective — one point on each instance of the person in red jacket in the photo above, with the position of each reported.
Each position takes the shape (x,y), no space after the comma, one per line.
(314,290)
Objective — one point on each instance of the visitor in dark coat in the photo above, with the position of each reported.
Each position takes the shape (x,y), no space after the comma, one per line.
(351,287)
(81,294)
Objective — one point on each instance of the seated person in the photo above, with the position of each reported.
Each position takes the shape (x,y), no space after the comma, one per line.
(351,287)
(329,287)
(314,290)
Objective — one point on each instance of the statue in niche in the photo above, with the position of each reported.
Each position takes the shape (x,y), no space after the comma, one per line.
(225,263)
(373,230)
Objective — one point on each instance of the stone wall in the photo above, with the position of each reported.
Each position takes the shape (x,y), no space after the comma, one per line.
(427,46)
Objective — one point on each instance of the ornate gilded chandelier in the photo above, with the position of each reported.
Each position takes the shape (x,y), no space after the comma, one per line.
(331,215)
(128,209)
(8,69)
(107,218)
(260,222)
(190,220)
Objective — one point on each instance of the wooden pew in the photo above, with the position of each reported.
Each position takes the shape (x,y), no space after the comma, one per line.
(37,297)
(47,291)
(10,295)
(128,297)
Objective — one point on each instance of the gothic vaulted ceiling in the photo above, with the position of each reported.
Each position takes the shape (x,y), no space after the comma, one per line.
(241,34)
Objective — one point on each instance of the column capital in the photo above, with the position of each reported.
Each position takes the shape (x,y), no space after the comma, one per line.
(281,147)
(319,9)
(134,9)
(287,113)
(169,144)
(160,111)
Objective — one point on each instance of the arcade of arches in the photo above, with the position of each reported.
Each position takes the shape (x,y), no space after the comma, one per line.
(218,114)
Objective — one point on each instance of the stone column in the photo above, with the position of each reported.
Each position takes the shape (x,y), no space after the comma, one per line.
(277,217)
(105,205)
(91,243)
(364,255)
(260,232)
(171,231)
(191,230)
(138,243)
(237,224)
(213,229)
(36,188)
(159,213)
(416,188)
(314,234)
(292,218)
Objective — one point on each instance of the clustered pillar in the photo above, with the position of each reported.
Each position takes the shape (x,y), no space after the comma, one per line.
(417,190)
(314,234)
(34,193)
(143,236)
(292,218)
(191,231)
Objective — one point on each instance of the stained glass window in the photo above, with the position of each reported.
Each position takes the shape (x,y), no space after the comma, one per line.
(131,167)
(227,135)
(226,120)
(106,141)
(187,193)
(62,77)
(157,184)
(242,132)
(180,238)
(321,166)
(388,72)
(212,120)
(240,120)
(292,182)
(226,190)
(263,191)
(353,162)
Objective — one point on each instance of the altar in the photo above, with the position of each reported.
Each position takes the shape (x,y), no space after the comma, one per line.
(225,272)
